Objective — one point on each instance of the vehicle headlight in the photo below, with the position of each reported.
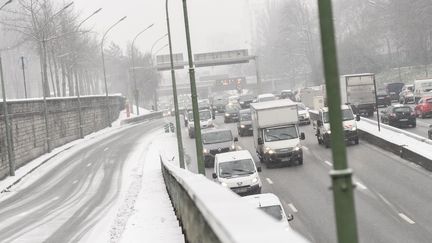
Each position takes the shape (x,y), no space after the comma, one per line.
(307,115)
(242,126)
(241,102)
(269,150)
(233,147)
(353,128)
(205,151)
(227,114)
(328,132)
(255,181)
(297,148)
(224,184)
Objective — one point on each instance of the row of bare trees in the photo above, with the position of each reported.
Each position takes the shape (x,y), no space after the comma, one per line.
(372,35)
(72,53)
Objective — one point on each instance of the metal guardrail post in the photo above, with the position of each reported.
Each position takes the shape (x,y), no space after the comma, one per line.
(341,175)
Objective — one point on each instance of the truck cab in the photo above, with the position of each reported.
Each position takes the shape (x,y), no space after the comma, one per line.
(276,134)
(321,125)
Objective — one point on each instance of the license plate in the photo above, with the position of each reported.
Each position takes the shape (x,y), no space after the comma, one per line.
(285,159)
(250,129)
(403,119)
(240,190)
(380,98)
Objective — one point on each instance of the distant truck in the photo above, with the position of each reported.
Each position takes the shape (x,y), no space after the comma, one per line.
(358,91)
(308,96)
(276,134)
(321,124)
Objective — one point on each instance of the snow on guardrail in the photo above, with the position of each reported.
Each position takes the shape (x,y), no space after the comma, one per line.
(211,213)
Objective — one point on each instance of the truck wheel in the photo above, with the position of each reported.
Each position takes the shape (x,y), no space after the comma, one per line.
(327,143)
(356,141)
(269,165)
(300,161)
(414,124)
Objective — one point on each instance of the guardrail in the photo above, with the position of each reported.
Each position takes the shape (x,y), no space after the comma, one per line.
(211,213)
(141,118)
(415,150)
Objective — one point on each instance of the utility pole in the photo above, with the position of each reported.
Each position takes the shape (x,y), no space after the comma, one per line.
(9,142)
(258,75)
(197,126)
(341,175)
(174,87)
(24,77)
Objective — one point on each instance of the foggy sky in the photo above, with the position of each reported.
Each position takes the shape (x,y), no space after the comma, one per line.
(215,24)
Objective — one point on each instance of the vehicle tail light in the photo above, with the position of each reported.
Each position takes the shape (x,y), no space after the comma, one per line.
(393,115)
(413,113)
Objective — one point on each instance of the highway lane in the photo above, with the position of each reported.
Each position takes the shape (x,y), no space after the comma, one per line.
(65,204)
(390,203)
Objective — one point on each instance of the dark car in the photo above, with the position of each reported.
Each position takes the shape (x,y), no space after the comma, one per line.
(244,125)
(424,107)
(246,100)
(219,103)
(231,113)
(393,90)
(216,141)
(406,96)
(287,94)
(383,99)
(398,115)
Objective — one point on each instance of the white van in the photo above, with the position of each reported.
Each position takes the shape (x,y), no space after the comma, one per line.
(422,87)
(270,204)
(265,97)
(237,171)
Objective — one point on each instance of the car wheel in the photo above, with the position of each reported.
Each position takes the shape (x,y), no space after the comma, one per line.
(414,124)
(300,161)
(356,141)
(422,115)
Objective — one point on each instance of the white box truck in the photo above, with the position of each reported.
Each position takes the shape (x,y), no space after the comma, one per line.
(276,134)
(422,87)
(358,91)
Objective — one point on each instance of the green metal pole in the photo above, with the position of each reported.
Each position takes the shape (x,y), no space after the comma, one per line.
(11,155)
(174,87)
(341,175)
(197,126)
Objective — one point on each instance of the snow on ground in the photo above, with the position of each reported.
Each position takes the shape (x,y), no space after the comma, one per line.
(153,218)
(401,139)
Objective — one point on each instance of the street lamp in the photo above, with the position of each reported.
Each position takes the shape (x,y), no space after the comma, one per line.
(136,94)
(104,69)
(45,75)
(160,49)
(174,87)
(154,44)
(198,144)
(6,3)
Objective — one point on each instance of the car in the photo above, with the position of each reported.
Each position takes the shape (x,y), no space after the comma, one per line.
(238,172)
(287,94)
(383,99)
(303,114)
(204,104)
(424,107)
(231,113)
(272,206)
(219,103)
(244,125)
(216,141)
(234,99)
(399,115)
(407,94)
(206,121)
(265,97)
(246,100)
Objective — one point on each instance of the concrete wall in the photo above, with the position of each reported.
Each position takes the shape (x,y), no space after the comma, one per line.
(28,124)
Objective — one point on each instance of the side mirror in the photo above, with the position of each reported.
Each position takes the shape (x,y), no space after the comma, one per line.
(214,176)
(259,169)
(235,139)
(302,136)
(357,117)
(290,217)
(260,141)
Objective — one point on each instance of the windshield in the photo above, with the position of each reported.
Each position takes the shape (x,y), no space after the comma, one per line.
(402,109)
(232,108)
(245,116)
(246,97)
(205,115)
(217,137)
(274,211)
(281,133)
(203,103)
(347,115)
(264,99)
(395,87)
(236,168)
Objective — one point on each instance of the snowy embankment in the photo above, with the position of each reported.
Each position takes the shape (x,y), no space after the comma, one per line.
(398,138)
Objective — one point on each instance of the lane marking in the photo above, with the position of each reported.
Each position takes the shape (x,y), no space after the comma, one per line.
(88,165)
(293,208)
(406,218)
(328,163)
(75,182)
(269,181)
(106,149)
(360,185)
